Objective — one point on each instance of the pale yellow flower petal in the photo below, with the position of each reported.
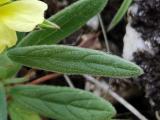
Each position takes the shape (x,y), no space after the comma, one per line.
(4,1)
(8,37)
(23,15)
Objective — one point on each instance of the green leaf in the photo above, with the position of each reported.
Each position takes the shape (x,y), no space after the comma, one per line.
(7,67)
(73,60)
(48,25)
(63,103)
(20,35)
(3,103)
(70,19)
(119,15)
(16,112)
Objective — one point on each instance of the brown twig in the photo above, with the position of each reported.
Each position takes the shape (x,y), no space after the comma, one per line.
(44,78)
(104,33)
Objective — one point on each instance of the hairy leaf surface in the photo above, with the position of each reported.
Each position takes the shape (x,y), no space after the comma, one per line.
(73,60)
(63,103)
(20,113)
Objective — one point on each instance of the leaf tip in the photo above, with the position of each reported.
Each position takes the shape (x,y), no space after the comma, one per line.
(138,70)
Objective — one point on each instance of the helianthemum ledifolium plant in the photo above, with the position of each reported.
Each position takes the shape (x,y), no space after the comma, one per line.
(38,49)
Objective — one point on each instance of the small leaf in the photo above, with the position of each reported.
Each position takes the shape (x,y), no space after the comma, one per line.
(18,113)
(3,103)
(48,25)
(73,60)
(119,15)
(70,19)
(20,35)
(63,103)
(15,80)
(7,67)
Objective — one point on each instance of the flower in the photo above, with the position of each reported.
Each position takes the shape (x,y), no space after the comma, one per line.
(4,1)
(21,16)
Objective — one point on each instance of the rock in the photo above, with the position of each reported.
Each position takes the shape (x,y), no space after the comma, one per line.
(142,45)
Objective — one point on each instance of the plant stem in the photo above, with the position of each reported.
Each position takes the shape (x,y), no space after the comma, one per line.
(117,97)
